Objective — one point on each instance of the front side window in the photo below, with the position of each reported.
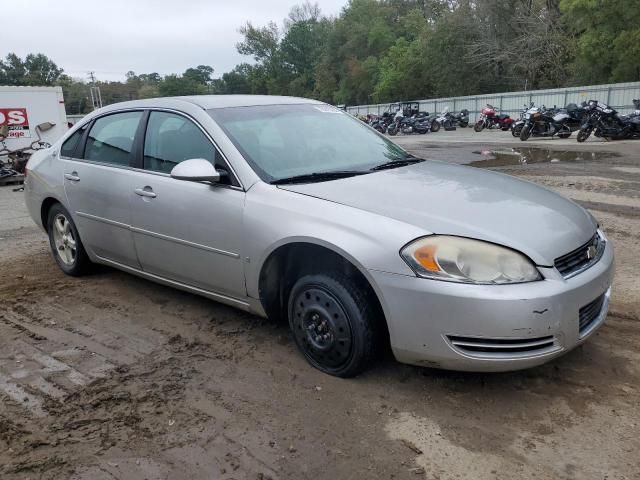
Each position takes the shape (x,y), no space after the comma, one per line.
(111,138)
(171,139)
(281,141)
(70,145)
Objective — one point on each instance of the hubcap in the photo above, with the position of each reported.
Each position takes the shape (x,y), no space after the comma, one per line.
(321,327)
(64,240)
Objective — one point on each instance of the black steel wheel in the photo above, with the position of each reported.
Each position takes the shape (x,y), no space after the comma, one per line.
(332,322)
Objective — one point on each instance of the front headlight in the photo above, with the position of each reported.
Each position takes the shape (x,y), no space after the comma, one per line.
(458,259)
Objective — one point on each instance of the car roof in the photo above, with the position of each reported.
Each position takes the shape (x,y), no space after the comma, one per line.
(222,101)
(208,102)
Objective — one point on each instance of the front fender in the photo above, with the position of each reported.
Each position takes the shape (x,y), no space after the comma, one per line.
(274,217)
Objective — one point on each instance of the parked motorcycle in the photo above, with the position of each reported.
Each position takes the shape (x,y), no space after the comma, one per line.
(409,125)
(605,122)
(490,118)
(381,123)
(516,127)
(550,122)
(449,120)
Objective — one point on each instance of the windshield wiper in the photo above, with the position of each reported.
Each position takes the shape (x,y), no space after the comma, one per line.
(318,177)
(409,160)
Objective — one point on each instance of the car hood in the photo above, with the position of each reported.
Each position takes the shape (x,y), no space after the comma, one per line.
(443,198)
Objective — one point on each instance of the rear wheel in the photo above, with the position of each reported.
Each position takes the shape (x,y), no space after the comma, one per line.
(479,126)
(525,133)
(435,126)
(448,125)
(464,124)
(66,246)
(333,323)
(392,130)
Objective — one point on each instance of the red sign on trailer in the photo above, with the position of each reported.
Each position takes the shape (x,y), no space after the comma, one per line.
(17,122)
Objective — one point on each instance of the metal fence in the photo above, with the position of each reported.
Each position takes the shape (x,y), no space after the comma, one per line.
(618,95)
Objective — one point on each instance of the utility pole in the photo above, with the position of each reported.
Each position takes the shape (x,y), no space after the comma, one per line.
(96,97)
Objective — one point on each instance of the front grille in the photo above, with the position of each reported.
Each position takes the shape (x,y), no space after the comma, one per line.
(590,313)
(581,258)
(503,347)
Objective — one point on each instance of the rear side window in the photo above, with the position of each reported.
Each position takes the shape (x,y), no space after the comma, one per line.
(71,144)
(171,139)
(111,138)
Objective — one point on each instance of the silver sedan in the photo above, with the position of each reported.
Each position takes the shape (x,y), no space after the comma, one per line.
(290,208)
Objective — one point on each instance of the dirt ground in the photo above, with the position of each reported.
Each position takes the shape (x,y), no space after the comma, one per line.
(114,377)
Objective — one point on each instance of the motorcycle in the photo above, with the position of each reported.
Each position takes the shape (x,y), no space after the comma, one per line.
(551,122)
(490,118)
(516,127)
(381,123)
(450,120)
(606,123)
(409,125)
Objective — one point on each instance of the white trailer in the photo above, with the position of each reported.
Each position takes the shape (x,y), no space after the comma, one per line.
(30,118)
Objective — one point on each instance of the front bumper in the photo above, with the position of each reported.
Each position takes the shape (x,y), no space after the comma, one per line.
(492,327)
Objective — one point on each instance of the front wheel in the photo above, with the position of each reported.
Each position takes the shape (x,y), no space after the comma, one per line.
(464,124)
(435,126)
(515,130)
(479,126)
(583,134)
(66,246)
(392,130)
(333,323)
(525,133)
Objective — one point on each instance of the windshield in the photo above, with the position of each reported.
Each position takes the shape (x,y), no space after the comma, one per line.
(281,141)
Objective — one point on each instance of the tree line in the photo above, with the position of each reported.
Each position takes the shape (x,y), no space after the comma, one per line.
(385,50)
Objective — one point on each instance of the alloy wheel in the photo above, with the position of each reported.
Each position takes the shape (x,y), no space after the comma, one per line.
(64,239)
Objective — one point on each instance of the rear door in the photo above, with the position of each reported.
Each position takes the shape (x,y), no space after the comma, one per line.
(190,232)
(99,188)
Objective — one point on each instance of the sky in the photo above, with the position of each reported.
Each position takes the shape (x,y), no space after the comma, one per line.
(111,37)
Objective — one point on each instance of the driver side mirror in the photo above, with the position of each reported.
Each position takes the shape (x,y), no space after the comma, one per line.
(196,170)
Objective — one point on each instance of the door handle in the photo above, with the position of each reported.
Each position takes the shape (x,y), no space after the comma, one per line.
(72,176)
(145,192)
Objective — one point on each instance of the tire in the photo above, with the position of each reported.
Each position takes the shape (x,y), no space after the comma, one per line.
(392,131)
(583,134)
(464,124)
(564,135)
(63,236)
(479,126)
(525,133)
(435,126)
(515,131)
(448,125)
(333,323)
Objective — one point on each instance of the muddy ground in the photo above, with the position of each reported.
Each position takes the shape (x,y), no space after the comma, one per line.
(114,377)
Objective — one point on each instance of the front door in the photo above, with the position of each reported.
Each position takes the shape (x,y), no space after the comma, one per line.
(97,183)
(190,232)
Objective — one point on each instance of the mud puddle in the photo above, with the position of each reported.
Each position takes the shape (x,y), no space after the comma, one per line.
(528,155)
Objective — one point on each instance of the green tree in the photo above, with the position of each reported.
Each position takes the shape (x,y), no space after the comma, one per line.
(607,39)
(201,74)
(35,70)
